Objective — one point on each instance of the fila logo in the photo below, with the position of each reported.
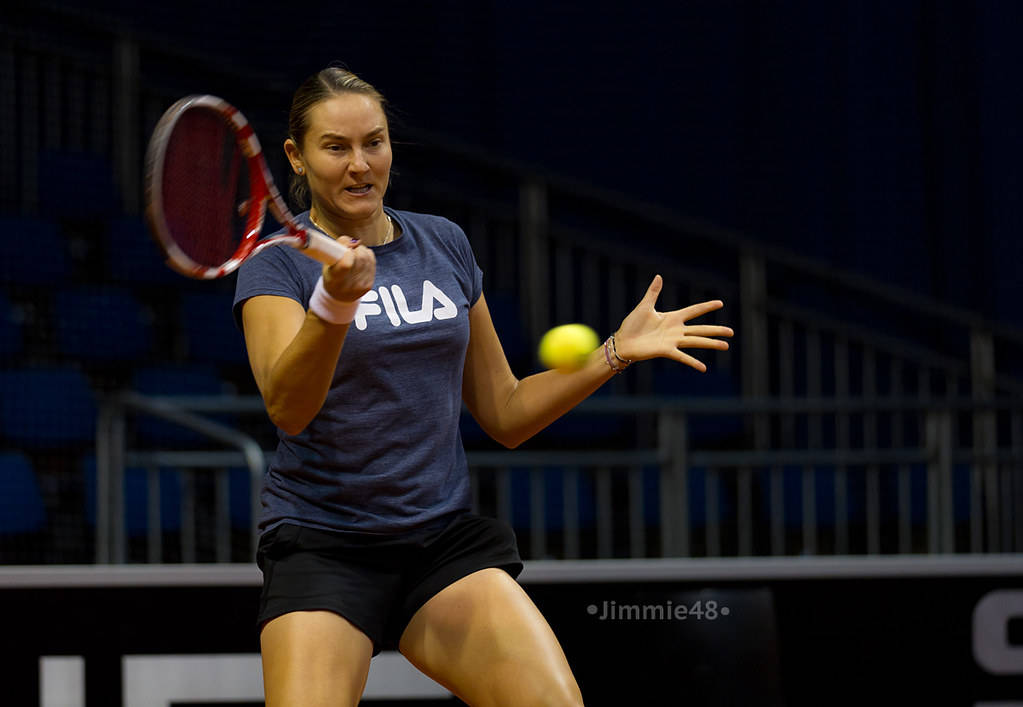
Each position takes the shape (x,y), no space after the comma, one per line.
(436,305)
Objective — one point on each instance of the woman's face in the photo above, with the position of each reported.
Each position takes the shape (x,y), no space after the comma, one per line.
(346,154)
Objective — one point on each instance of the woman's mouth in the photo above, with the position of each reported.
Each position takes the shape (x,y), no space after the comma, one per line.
(359,189)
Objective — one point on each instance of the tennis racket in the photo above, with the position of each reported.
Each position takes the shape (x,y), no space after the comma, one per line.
(208,188)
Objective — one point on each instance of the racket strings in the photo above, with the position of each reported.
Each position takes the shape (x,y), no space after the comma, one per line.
(205,188)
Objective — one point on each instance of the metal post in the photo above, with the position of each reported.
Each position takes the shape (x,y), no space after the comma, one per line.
(673,446)
(10,199)
(744,484)
(840,498)
(940,522)
(154,529)
(776,482)
(753,310)
(815,440)
(502,482)
(222,514)
(637,526)
(537,514)
(712,511)
(103,454)
(870,442)
(1017,467)
(127,165)
(605,513)
(1016,436)
(28,135)
(571,513)
(982,379)
(189,541)
(533,229)
(256,505)
(115,487)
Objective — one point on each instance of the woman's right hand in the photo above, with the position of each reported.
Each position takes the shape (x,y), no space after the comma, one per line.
(352,276)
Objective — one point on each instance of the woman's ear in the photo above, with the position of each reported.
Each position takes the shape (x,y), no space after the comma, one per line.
(294,156)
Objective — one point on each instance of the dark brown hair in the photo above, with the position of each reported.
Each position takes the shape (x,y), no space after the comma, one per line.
(332,81)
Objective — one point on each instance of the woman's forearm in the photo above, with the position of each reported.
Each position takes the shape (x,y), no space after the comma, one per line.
(298,382)
(538,400)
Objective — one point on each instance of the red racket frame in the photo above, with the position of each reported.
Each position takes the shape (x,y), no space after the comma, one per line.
(263,194)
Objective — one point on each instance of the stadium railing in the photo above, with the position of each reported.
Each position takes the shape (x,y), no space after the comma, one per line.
(911,479)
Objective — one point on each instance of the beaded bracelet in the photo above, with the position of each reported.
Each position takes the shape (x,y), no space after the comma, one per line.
(614,350)
(609,352)
(330,309)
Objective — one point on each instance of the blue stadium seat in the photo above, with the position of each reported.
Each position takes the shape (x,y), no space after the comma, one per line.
(11,339)
(824,480)
(101,324)
(553,482)
(240,497)
(136,498)
(554,489)
(44,261)
(698,492)
(210,332)
(917,487)
(962,490)
(652,496)
(195,379)
(40,408)
(76,185)
(21,504)
(133,258)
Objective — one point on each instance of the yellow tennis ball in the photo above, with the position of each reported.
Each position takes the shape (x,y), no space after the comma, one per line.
(567,347)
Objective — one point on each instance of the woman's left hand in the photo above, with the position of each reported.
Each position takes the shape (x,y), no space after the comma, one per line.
(647,333)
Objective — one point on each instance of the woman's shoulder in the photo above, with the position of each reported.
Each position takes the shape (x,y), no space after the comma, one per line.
(430,223)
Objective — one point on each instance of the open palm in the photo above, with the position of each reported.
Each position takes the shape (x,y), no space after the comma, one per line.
(646,333)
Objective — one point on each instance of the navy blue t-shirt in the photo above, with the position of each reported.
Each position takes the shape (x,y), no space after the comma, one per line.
(384,454)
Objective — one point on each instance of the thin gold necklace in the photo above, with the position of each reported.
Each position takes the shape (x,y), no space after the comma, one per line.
(387,238)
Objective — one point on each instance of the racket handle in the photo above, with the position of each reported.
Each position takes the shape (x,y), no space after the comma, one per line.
(323,248)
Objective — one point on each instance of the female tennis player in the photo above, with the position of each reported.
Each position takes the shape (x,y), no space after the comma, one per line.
(368,540)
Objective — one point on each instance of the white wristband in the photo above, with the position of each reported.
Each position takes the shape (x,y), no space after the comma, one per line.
(329,309)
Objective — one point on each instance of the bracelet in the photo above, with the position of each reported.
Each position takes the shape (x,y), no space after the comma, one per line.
(614,350)
(330,309)
(608,344)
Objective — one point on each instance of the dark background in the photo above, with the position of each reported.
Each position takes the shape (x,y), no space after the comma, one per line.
(876,136)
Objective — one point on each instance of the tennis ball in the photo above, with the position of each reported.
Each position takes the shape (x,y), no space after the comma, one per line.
(567,347)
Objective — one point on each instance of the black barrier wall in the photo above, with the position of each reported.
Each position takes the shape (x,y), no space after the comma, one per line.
(941,631)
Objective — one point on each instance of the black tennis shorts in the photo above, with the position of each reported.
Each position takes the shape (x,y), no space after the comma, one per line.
(377,582)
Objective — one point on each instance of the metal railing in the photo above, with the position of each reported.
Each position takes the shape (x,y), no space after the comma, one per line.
(927,489)
(114,455)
